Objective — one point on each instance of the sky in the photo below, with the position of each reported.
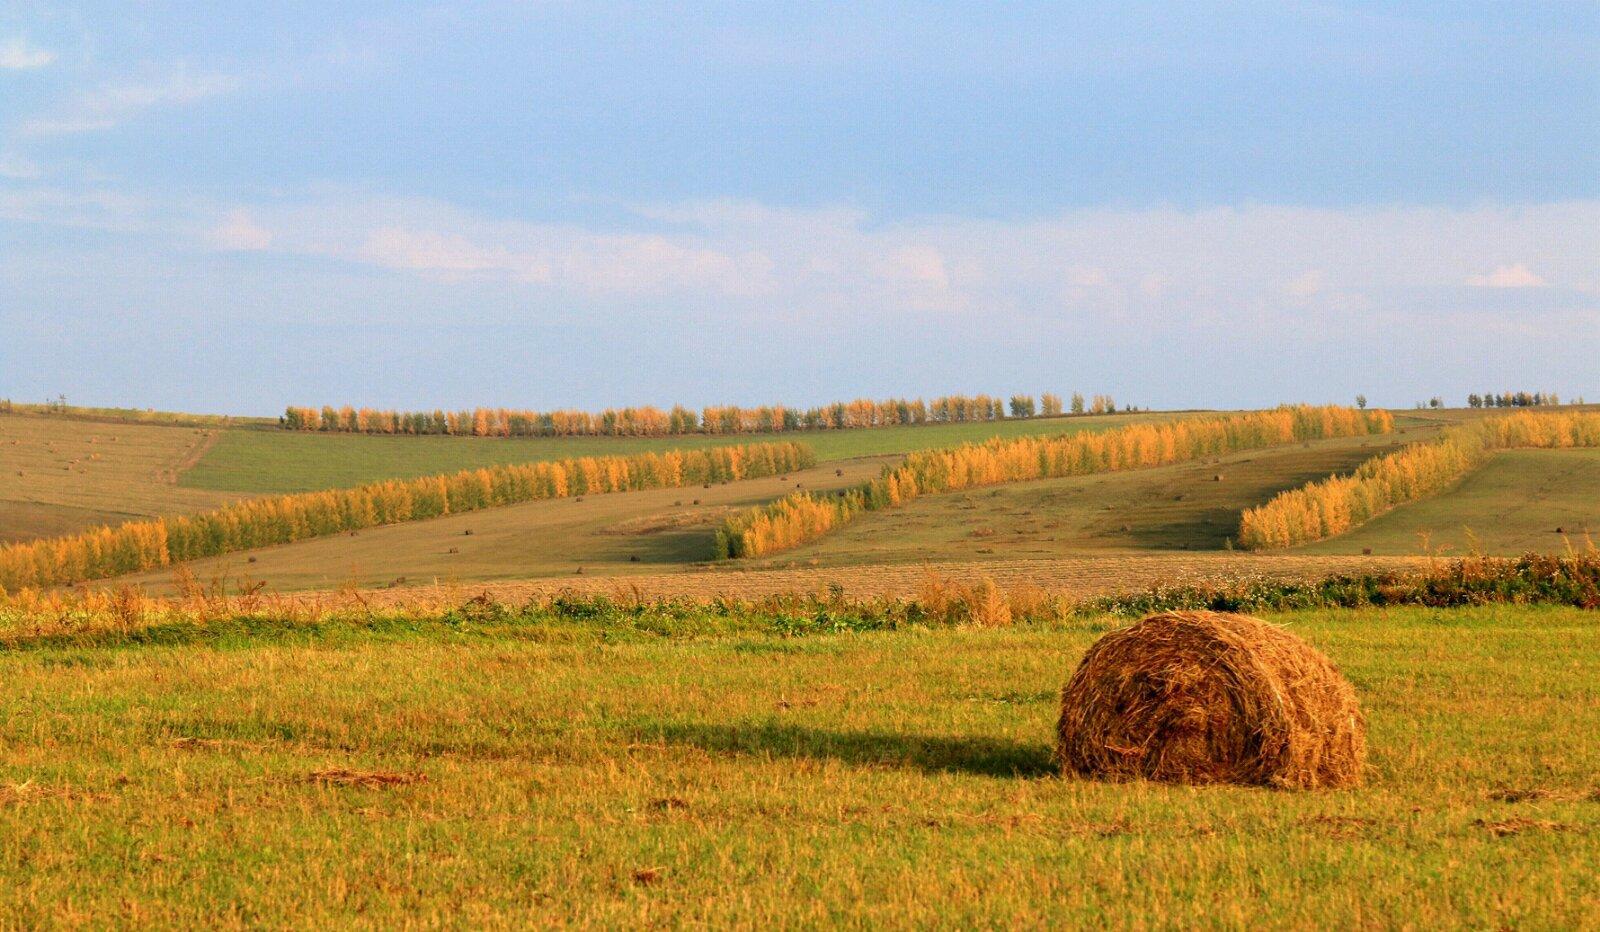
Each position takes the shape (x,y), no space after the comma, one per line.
(567,204)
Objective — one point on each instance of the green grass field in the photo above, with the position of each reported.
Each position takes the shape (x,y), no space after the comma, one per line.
(1180,507)
(256,461)
(494,776)
(1512,505)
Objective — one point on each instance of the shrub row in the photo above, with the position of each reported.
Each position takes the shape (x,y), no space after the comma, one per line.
(99,617)
(260,522)
(1571,580)
(1337,504)
(803,517)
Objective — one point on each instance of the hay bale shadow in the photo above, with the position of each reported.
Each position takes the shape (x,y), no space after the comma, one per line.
(980,756)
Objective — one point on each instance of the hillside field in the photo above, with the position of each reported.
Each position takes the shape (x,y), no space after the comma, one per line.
(1071,535)
(253,461)
(61,475)
(1180,507)
(611,534)
(1513,504)
(1067,521)
(503,776)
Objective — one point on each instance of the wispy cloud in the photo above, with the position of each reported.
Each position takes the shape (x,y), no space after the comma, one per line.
(18,168)
(1161,269)
(18,55)
(88,209)
(238,232)
(1507,276)
(1137,272)
(115,103)
(449,254)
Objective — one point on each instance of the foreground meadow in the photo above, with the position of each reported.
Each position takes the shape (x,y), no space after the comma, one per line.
(475,768)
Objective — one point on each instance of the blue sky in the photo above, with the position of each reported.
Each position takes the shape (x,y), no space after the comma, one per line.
(565,203)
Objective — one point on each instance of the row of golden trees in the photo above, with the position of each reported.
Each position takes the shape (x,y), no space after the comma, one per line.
(260,522)
(1332,506)
(803,517)
(651,421)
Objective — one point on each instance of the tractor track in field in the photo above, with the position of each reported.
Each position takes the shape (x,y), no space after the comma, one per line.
(171,475)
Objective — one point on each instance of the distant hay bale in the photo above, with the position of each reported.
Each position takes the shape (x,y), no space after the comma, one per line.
(1211,697)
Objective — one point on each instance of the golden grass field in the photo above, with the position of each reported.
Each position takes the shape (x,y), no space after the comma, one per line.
(1077,578)
(59,475)
(505,775)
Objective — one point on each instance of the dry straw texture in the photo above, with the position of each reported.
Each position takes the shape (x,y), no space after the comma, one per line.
(1211,697)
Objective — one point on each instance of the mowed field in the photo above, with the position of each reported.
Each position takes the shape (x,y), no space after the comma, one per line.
(1072,535)
(1189,506)
(256,461)
(618,533)
(1522,500)
(1082,536)
(60,476)
(483,774)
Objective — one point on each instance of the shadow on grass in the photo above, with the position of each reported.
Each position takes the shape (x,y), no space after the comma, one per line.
(988,757)
(237,630)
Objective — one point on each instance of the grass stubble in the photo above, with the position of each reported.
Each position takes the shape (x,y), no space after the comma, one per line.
(476,767)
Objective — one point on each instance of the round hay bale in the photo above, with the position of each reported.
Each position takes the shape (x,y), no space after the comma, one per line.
(1211,697)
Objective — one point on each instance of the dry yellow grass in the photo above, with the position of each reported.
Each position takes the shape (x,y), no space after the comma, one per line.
(59,476)
(1084,577)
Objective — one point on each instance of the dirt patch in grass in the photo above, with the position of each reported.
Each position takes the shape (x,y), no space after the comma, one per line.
(1504,828)
(366,779)
(16,794)
(671,521)
(1542,794)
(1338,826)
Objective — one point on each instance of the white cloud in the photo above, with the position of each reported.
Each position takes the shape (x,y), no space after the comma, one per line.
(240,233)
(18,168)
(112,104)
(1507,276)
(18,55)
(87,209)
(1164,268)
(1305,285)
(922,265)
(536,254)
(1257,268)
(1087,277)
(428,251)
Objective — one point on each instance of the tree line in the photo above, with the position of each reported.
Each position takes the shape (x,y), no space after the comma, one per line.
(802,517)
(648,421)
(261,522)
(1513,400)
(1334,505)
